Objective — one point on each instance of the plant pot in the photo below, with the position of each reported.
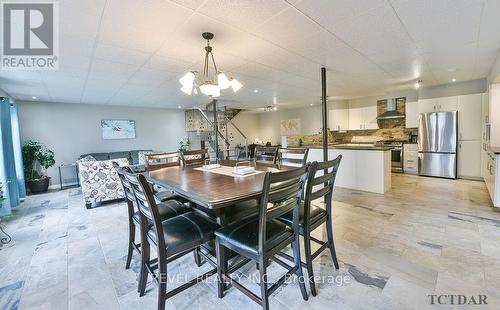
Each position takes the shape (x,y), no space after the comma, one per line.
(39,186)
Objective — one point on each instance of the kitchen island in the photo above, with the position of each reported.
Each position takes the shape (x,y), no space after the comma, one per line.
(363,167)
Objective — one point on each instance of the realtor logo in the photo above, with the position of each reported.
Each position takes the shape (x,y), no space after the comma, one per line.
(29,35)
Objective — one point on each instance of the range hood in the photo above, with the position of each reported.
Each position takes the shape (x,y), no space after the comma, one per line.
(391,111)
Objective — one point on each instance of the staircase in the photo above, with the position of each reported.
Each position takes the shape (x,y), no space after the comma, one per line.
(230,141)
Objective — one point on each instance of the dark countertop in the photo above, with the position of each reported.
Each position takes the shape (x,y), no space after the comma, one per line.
(495,149)
(368,147)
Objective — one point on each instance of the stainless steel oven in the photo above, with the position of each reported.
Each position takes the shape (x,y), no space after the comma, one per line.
(396,155)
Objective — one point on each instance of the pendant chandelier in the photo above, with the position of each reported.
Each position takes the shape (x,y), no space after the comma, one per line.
(210,85)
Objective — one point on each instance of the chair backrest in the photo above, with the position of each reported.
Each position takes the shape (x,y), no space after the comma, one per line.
(320,184)
(127,188)
(281,193)
(155,161)
(195,157)
(296,157)
(266,153)
(129,193)
(146,204)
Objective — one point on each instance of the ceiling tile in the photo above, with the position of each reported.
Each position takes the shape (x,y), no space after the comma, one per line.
(435,24)
(328,13)
(287,27)
(120,54)
(244,14)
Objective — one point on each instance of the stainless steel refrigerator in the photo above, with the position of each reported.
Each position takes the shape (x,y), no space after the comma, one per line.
(437,144)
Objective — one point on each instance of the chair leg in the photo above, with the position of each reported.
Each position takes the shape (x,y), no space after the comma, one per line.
(197,256)
(143,275)
(162,282)
(131,240)
(329,233)
(88,206)
(220,253)
(298,264)
(263,285)
(310,272)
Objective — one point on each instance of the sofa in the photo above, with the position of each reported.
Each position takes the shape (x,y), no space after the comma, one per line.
(134,157)
(99,180)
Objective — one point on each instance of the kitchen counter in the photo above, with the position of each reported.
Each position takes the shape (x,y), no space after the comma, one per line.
(365,168)
(495,149)
(368,147)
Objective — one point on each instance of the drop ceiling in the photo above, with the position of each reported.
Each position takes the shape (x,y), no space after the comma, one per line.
(130,52)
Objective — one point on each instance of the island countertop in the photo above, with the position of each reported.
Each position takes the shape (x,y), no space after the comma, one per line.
(367,147)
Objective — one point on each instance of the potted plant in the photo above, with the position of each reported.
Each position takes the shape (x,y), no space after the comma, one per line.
(37,159)
(1,194)
(184,144)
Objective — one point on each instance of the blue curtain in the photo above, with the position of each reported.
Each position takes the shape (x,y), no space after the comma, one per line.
(11,165)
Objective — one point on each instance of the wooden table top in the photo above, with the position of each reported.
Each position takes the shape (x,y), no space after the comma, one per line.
(209,189)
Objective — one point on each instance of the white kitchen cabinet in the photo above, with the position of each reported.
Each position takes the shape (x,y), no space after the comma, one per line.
(469,117)
(410,158)
(411,114)
(338,116)
(362,116)
(427,105)
(437,104)
(447,103)
(355,116)
(469,159)
(370,117)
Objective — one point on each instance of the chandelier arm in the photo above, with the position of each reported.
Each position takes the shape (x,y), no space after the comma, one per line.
(213,60)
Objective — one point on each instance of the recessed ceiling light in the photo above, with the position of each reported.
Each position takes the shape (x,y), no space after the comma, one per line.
(255,90)
(453,79)
(179,106)
(311,104)
(34,97)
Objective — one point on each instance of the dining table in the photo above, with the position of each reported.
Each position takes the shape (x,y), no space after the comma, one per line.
(212,189)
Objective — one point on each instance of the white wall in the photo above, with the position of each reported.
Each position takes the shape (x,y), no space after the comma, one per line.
(270,122)
(454,89)
(71,130)
(494,75)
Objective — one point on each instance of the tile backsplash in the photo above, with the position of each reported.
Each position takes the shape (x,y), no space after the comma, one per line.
(354,136)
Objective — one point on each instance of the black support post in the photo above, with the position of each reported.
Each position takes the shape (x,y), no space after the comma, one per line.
(324,112)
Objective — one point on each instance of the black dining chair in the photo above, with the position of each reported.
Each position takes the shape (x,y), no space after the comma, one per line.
(261,237)
(156,161)
(295,156)
(266,154)
(311,217)
(173,238)
(167,209)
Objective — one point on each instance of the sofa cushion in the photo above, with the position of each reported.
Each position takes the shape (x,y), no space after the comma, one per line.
(97,156)
(115,155)
(135,156)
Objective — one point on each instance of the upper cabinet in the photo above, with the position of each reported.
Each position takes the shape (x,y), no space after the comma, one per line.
(362,116)
(427,105)
(437,104)
(469,117)
(411,117)
(447,103)
(338,116)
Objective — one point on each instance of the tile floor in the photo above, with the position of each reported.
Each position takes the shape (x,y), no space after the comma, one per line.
(425,236)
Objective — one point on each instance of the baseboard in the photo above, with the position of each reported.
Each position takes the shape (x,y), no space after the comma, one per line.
(58,186)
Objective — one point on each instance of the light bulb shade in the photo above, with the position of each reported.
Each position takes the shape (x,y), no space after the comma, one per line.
(223,81)
(210,88)
(187,80)
(235,85)
(187,89)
